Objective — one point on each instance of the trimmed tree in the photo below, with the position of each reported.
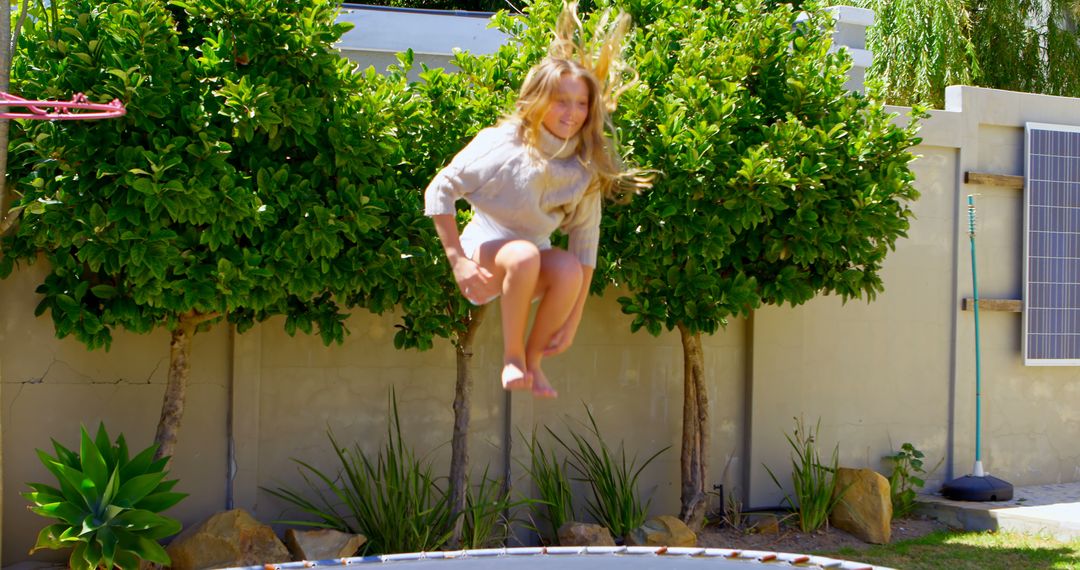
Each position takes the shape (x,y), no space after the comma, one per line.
(244,181)
(776,184)
(443,111)
(436,123)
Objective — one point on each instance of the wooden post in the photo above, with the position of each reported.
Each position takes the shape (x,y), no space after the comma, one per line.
(999,180)
(1007,305)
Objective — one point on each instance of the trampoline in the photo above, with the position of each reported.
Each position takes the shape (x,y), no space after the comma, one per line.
(571,558)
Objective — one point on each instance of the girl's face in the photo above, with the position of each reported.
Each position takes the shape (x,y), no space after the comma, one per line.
(569,107)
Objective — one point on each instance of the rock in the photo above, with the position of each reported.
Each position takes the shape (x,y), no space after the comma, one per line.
(664,530)
(324,544)
(865,510)
(230,538)
(584,534)
(766,524)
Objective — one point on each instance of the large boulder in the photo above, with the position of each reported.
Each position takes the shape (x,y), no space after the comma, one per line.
(865,510)
(664,530)
(323,544)
(230,538)
(583,534)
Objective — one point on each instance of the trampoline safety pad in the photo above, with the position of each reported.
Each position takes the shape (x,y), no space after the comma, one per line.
(579,558)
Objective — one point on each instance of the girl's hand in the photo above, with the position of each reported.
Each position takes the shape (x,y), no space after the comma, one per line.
(563,338)
(476,283)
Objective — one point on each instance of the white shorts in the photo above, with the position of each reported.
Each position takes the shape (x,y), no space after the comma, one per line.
(481,230)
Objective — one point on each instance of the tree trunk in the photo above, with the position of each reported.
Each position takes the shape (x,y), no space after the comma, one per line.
(459,445)
(9,38)
(172,405)
(695,439)
(5,84)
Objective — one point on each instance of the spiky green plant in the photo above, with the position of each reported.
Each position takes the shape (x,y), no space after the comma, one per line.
(486,524)
(391,498)
(815,493)
(556,504)
(615,501)
(107,504)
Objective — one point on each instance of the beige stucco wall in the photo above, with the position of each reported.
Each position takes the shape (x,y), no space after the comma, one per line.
(1030,414)
(288,391)
(632,382)
(48,387)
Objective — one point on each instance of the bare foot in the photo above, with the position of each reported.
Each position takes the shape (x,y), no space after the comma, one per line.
(514,377)
(541,388)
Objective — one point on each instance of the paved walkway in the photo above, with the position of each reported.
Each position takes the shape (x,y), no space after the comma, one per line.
(1043,509)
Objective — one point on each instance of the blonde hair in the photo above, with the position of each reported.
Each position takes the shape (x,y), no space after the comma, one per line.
(598,62)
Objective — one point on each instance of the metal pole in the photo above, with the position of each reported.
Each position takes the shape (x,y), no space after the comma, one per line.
(977,471)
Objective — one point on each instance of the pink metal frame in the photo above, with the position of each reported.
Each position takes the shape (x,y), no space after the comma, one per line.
(61,110)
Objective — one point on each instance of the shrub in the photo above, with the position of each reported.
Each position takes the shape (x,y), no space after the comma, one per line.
(247,179)
(906,479)
(107,504)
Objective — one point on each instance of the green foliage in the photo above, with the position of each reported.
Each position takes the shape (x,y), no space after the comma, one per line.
(1027,45)
(246,180)
(615,501)
(776,183)
(470,5)
(906,479)
(485,526)
(733,514)
(814,482)
(556,504)
(106,502)
(920,47)
(391,498)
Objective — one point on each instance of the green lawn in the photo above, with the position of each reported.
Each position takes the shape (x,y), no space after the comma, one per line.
(970,550)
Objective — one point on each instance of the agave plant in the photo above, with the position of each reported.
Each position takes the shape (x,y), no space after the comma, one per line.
(107,504)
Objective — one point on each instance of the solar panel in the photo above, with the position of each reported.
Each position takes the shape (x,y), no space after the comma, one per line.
(1052,245)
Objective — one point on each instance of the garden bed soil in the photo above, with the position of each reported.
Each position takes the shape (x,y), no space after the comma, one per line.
(791,539)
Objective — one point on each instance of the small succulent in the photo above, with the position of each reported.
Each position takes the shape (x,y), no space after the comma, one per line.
(107,504)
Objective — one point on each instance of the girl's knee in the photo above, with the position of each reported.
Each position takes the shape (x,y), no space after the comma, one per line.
(519,254)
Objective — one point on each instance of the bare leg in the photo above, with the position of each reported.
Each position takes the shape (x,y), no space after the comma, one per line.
(559,283)
(516,264)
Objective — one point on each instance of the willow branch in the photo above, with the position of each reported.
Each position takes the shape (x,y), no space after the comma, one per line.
(18,30)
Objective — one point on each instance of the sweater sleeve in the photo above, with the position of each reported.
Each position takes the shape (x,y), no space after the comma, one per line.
(583,228)
(468,170)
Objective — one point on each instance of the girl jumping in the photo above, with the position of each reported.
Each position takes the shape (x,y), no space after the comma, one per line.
(546,166)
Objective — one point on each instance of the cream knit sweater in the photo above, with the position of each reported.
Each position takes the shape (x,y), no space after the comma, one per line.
(516,194)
